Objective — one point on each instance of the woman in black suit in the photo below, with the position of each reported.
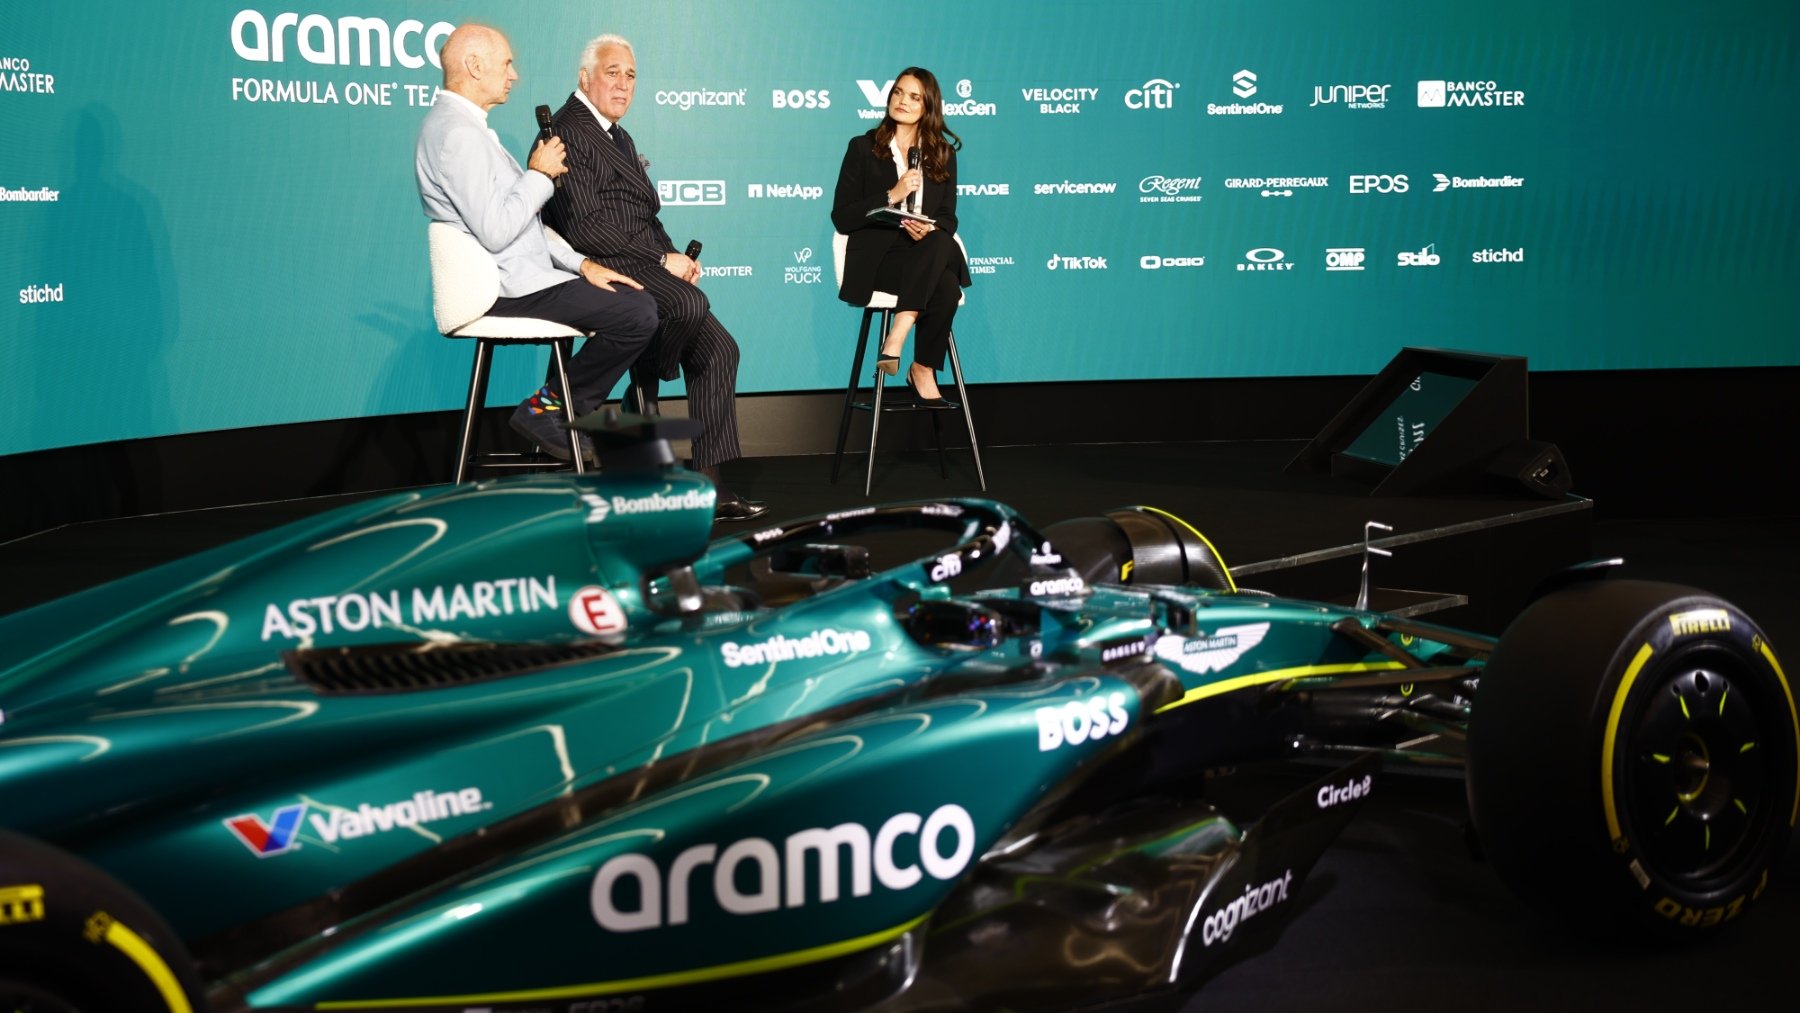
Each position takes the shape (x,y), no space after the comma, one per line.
(920,263)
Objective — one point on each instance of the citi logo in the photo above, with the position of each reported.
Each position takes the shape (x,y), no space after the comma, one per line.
(1370,183)
(811,98)
(1156,93)
(780,871)
(1243,84)
(1426,257)
(278,836)
(675,192)
(1501,256)
(319,39)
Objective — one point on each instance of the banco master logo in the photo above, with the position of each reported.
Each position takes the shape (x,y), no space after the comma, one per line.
(1156,93)
(691,97)
(366,42)
(1466,94)
(778,874)
(17,76)
(675,192)
(826,643)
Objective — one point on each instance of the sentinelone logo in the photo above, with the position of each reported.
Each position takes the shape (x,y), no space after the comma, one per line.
(1243,85)
(16,75)
(317,39)
(675,192)
(1169,189)
(688,99)
(39,195)
(1059,101)
(1475,182)
(1452,94)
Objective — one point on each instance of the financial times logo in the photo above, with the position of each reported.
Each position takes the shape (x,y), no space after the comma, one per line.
(1243,83)
(366,42)
(1344,258)
(1157,93)
(678,192)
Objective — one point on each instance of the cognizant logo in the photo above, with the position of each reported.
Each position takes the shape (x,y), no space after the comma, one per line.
(780,877)
(1257,898)
(319,39)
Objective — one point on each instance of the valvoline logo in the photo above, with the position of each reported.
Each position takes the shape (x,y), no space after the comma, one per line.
(278,836)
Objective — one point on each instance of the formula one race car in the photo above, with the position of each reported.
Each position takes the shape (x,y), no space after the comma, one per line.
(535,744)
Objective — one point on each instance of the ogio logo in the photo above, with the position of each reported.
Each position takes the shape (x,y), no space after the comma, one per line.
(755,876)
(1687,624)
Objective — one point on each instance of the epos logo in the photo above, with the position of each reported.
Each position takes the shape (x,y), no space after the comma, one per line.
(1426,257)
(810,98)
(1156,93)
(676,192)
(1369,183)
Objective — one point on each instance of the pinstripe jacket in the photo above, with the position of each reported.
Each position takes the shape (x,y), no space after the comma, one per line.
(607,206)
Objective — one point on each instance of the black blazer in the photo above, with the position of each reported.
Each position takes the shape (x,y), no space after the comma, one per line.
(606,207)
(862,186)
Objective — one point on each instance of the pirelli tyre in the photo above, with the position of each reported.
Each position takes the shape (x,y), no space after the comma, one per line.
(73,940)
(1632,757)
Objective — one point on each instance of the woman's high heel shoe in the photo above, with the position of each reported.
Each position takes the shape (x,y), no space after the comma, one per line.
(889,364)
(928,402)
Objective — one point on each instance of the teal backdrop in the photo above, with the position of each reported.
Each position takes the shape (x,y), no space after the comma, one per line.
(210,219)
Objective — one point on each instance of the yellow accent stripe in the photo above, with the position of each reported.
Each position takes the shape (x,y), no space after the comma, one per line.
(1229,580)
(1793,716)
(1612,738)
(1279,674)
(151,963)
(739,969)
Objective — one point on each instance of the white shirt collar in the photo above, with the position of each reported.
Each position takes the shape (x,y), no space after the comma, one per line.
(480,113)
(605,124)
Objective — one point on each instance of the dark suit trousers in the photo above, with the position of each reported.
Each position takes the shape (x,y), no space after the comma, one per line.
(921,275)
(692,340)
(623,322)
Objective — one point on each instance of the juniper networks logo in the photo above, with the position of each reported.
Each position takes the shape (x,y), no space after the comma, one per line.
(1243,85)
(16,75)
(1351,96)
(1455,94)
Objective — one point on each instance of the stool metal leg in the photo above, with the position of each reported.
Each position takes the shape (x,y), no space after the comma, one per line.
(862,345)
(875,414)
(962,396)
(558,352)
(478,376)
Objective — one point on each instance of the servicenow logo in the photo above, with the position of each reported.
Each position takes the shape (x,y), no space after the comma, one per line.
(779,873)
(1067,187)
(319,39)
(824,643)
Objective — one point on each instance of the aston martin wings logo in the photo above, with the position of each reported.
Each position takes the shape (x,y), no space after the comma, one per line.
(1214,653)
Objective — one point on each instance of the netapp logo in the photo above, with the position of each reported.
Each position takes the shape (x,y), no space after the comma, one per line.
(1265,258)
(319,40)
(40,294)
(1059,101)
(1067,187)
(1169,189)
(16,75)
(689,98)
(1076,263)
(988,265)
(1370,183)
(1353,96)
(40,195)
(1426,257)
(1475,182)
(1452,94)
(675,192)
(1344,258)
(1152,262)
(796,98)
(1156,93)
(1500,256)
(984,189)
(798,191)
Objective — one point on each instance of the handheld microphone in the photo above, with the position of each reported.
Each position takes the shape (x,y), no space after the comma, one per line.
(912,162)
(544,127)
(693,249)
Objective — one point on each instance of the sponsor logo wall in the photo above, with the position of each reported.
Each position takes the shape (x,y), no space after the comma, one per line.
(1187,178)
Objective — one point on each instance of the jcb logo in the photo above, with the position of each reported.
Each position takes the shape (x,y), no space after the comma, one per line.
(691,191)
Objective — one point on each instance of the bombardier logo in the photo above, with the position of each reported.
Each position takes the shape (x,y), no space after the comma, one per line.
(1216,653)
(600,508)
(817,644)
(1476,182)
(777,874)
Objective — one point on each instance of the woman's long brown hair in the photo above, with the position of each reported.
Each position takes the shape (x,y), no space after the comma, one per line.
(935,153)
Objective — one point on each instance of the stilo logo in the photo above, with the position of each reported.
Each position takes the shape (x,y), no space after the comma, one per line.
(278,836)
(1243,83)
(1427,257)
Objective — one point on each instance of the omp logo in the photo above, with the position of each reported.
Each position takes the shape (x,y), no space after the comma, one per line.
(1373,183)
(798,191)
(1687,624)
(1426,257)
(691,191)
(817,644)
(685,100)
(423,807)
(1156,93)
(777,875)
(1152,262)
(1081,721)
(318,39)
(21,904)
(1265,258)
(809,98)
(984,189)
(1500,256)
(1216,653)
(1344,258)
(278,836)
(1256,899)
(1243,83)
(1337,794)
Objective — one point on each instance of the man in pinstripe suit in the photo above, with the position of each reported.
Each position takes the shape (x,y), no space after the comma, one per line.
(607,210)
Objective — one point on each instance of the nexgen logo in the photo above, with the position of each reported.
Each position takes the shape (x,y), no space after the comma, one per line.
(776,876)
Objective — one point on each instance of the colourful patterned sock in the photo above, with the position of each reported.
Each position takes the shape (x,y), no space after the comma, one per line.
(544,401)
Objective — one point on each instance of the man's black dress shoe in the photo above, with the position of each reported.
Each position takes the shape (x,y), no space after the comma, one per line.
(739,509)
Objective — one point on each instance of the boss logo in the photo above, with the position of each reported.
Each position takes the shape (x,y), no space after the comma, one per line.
(1081,721)
(811,98)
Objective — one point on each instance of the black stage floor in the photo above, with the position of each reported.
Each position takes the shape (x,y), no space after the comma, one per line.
(1397,913)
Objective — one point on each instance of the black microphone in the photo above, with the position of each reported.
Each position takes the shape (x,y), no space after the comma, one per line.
(544,127)
(693,249)
(912,162)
